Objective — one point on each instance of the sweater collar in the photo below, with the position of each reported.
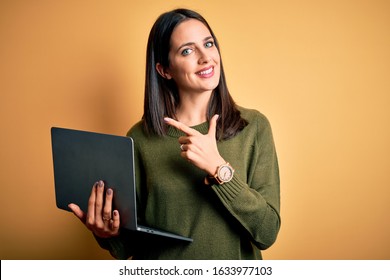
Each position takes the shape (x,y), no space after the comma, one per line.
(202,128)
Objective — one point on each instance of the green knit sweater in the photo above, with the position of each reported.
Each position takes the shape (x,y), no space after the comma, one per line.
(231,221)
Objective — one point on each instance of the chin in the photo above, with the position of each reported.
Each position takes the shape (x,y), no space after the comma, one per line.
(212,85)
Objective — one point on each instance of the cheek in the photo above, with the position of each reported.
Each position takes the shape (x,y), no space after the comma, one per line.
(216,55)
(185,74)
(178,68)
(217,60)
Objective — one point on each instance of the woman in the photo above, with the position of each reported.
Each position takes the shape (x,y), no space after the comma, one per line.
(206,168)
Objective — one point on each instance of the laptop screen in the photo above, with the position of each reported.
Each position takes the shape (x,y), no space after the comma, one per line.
(81,158)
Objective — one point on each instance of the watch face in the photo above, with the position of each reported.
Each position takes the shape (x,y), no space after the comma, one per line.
(225,173)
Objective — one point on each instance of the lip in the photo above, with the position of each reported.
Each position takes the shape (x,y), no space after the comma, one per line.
(206,72)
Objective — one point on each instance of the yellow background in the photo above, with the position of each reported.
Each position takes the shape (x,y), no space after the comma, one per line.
(319,70)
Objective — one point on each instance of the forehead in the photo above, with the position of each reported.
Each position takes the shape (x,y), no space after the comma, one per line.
(191,30)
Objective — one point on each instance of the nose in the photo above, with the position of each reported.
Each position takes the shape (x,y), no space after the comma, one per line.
(204,58)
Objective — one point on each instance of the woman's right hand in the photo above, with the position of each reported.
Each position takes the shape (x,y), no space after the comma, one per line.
(100,219)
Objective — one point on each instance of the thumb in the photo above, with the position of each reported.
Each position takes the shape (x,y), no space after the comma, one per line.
(78,212)
(213,126)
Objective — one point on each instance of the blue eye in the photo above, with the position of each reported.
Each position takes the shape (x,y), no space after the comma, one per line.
(186,52)
(209,44)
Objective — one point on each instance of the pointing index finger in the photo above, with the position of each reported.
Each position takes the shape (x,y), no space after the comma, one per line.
(180,126)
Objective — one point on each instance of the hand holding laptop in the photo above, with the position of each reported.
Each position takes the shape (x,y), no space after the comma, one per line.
(81,157)
(100,219)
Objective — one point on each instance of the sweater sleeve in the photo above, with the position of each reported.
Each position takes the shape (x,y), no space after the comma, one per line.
(117,246)
(255,203)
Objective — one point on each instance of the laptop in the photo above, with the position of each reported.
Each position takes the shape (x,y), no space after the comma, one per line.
(80,158)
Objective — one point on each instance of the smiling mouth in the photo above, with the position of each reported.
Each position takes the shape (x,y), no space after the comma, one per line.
(206,73)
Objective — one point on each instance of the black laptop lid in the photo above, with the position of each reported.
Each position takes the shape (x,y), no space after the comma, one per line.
(81,158)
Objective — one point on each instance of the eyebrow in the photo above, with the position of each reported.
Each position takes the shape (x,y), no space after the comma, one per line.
(192,43)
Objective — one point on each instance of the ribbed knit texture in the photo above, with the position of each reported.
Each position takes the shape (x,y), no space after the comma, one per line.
(231,221)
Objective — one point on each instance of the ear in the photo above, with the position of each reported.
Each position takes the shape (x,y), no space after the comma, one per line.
(163,73)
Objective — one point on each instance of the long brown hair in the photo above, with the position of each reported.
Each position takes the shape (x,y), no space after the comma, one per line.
(161,95)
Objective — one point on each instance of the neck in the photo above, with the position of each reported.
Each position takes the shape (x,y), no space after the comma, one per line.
(192,110)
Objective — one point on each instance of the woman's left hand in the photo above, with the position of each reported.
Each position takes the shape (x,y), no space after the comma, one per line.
(199,149)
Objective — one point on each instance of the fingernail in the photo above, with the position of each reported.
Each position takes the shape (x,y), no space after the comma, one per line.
(115,213)
(101,184)
(167,119)
(109,191)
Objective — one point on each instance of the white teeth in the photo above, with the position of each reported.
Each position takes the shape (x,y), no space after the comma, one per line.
(206,72)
